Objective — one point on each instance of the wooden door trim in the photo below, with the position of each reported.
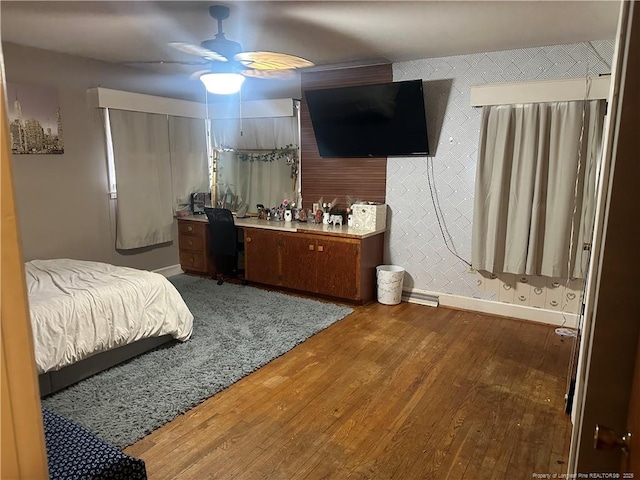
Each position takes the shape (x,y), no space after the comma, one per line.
(23,444)
(610,332)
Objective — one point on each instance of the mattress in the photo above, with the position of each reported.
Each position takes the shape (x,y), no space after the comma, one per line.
(81,308)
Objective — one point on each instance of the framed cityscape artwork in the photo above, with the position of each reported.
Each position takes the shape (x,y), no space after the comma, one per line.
(35,126)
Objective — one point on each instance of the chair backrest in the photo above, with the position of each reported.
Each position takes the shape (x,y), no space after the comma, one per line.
(223,237)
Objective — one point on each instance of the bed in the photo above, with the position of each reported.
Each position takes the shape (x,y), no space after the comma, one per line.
(88,316)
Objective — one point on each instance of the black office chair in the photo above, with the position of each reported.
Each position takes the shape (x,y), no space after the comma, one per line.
(224,244)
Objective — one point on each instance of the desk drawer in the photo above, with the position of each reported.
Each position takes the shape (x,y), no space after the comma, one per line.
(193,261)
(194,243)
(192,228)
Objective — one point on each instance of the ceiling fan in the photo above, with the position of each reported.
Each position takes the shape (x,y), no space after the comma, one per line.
(227,63)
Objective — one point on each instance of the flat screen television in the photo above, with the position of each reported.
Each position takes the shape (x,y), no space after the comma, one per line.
(378,120)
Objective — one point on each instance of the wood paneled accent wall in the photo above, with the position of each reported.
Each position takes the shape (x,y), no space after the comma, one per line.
(364,178)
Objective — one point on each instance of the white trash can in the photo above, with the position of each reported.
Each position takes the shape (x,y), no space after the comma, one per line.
(390,279)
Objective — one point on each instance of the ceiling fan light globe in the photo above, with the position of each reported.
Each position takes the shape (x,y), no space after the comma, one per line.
(222,83)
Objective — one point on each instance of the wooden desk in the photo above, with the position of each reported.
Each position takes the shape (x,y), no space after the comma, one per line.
(193,244)
(313,258)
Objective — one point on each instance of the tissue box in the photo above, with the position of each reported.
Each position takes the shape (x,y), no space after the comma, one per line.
(369,217)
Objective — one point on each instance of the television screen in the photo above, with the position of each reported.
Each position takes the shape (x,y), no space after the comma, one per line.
(379,120)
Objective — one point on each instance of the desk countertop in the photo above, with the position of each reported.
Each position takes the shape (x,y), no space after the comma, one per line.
(301,227)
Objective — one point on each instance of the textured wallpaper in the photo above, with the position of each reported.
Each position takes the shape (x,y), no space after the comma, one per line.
(415,238)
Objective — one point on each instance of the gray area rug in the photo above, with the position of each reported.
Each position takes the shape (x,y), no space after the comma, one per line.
(237,329)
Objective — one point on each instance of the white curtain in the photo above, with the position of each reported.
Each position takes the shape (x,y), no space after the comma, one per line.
(535,183)
(267,183)
(254,133)
(189,163)
(143,175)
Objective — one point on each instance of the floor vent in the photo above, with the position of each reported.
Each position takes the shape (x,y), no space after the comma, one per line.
(421,298)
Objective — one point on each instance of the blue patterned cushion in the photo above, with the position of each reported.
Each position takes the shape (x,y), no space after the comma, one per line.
(74,453)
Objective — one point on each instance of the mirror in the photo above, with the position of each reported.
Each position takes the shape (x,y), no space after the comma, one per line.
(256,177)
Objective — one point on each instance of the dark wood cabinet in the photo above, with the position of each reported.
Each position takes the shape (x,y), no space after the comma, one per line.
(320,264)
(193,247)
(298,261)
(314,263)
(339,266)
(262,256)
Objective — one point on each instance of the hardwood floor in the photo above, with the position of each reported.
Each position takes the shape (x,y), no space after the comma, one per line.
(402,392)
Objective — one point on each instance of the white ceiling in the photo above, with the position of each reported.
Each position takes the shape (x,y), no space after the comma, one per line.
(325,32)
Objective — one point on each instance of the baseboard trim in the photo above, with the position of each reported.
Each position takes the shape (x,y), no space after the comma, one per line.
(169,271)
(523,312)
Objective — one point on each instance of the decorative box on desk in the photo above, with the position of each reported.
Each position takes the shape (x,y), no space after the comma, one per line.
(369,217)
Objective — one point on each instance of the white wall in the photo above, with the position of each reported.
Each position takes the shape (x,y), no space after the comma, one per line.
(415,241)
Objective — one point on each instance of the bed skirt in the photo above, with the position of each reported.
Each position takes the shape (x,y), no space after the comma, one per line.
(54,381)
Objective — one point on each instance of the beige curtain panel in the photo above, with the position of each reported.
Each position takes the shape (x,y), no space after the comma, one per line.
(189,162)
(143,176)
(254,133)
(267,183)
(534,200)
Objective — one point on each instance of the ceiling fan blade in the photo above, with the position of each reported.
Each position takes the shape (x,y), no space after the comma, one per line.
(198,50)
(161,62)
(271,61)
(268,74)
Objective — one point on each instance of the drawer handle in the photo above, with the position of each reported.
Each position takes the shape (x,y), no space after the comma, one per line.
(189,228)
(311,247)
(191,260)
(248,239)
(190,242)
(320,248)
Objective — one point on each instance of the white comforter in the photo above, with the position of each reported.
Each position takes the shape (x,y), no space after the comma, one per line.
(81,308)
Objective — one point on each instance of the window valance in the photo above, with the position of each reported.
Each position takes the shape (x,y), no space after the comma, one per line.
(254,133)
